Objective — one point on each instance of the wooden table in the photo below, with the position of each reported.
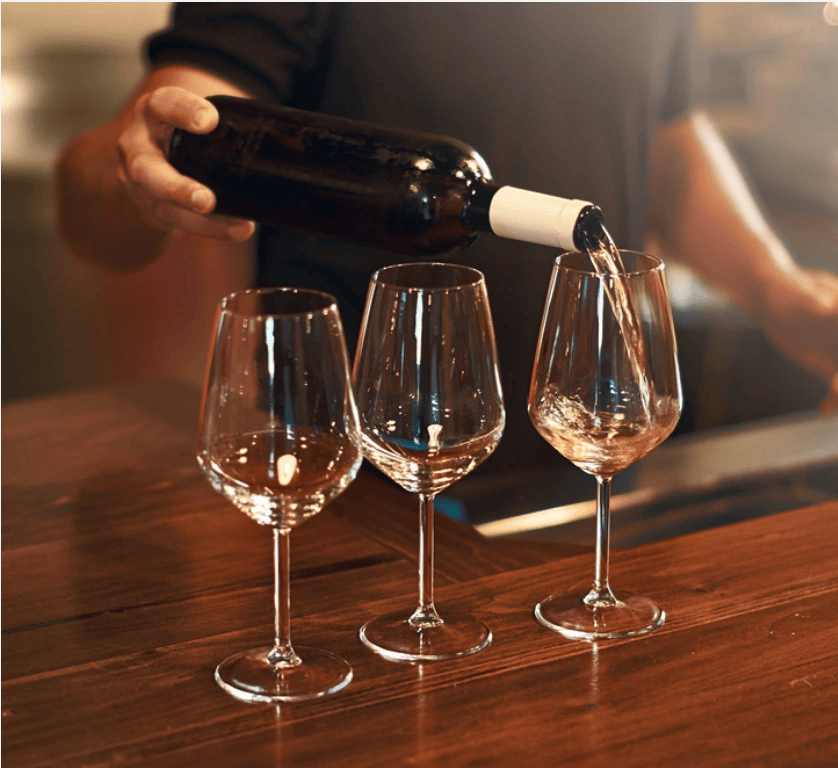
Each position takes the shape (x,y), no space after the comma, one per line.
(126,579)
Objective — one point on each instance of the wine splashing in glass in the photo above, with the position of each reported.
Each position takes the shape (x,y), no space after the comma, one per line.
(586,400)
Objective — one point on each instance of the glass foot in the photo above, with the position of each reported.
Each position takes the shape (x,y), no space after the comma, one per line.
(395,638)
(249,676)
(587,619)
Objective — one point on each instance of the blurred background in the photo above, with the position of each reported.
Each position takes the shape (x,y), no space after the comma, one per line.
(771,83)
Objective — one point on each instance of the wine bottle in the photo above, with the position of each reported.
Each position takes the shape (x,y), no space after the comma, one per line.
(413,193)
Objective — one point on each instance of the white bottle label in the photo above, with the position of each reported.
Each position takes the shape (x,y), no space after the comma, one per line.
(535,218)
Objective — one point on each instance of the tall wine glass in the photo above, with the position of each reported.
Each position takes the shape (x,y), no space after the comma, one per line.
(279,438)
(431,409)
(604,403)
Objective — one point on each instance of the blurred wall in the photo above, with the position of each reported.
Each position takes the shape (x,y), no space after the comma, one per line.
(65,66)
(772,86)
(771,83)
(65,324)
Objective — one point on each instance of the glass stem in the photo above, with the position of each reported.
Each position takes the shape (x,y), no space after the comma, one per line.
(601,595)
(425,614)
(282,654)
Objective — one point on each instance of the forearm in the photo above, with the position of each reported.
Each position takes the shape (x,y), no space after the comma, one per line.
(95,217)
(706,215)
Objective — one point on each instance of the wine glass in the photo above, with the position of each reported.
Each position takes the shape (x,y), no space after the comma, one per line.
(431,409)
(604,402)
(279,438)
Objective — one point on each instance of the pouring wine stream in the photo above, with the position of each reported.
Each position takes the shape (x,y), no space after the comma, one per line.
(607,262)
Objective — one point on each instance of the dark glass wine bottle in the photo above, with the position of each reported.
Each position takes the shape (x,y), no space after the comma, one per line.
(413,193)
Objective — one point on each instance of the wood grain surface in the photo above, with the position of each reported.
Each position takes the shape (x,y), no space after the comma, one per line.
(126,579)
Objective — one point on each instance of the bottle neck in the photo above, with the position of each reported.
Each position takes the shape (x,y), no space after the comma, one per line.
(532,217)
(590,233)
(480,201)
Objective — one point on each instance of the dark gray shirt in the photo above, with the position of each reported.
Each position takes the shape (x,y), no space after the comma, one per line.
(560,98)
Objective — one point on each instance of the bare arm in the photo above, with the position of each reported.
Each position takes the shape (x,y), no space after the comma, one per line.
(703,211)
(118,200)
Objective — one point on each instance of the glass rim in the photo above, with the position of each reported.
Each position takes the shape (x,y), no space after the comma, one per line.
(379,279)
(329,301)
(657,265)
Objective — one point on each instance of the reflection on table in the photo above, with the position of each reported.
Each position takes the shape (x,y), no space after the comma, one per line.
(126,580)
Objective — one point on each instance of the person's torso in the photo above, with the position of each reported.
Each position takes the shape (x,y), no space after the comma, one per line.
(557,98)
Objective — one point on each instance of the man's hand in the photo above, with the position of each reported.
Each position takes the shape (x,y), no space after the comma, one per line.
(165,199)
(800,315)
(704,212)
(118,199)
